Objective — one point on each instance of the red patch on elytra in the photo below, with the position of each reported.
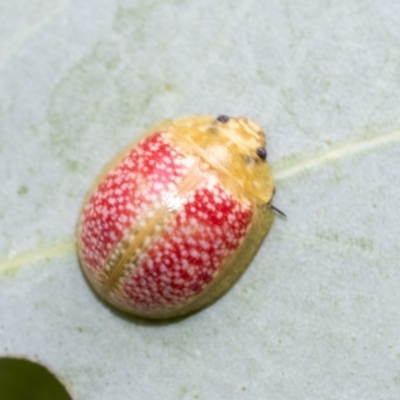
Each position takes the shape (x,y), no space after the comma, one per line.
(127,190)
(186,258)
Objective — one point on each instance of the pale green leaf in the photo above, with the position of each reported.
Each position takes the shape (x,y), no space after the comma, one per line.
(317,314)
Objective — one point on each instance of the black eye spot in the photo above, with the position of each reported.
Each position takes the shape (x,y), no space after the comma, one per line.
(262,153)
(223,118)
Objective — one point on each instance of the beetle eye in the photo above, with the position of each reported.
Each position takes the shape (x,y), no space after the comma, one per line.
(223,118)
(262,153)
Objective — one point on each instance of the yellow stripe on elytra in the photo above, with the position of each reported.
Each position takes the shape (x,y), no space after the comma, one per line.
(169,208)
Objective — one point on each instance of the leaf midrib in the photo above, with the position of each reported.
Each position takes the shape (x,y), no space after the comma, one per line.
(286,172)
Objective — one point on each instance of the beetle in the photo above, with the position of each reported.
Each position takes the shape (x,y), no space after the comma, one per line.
(174,219)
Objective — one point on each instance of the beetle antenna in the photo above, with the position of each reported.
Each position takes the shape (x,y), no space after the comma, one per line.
(277,210)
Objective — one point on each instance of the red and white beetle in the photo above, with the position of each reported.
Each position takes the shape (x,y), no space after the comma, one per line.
(174,219)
